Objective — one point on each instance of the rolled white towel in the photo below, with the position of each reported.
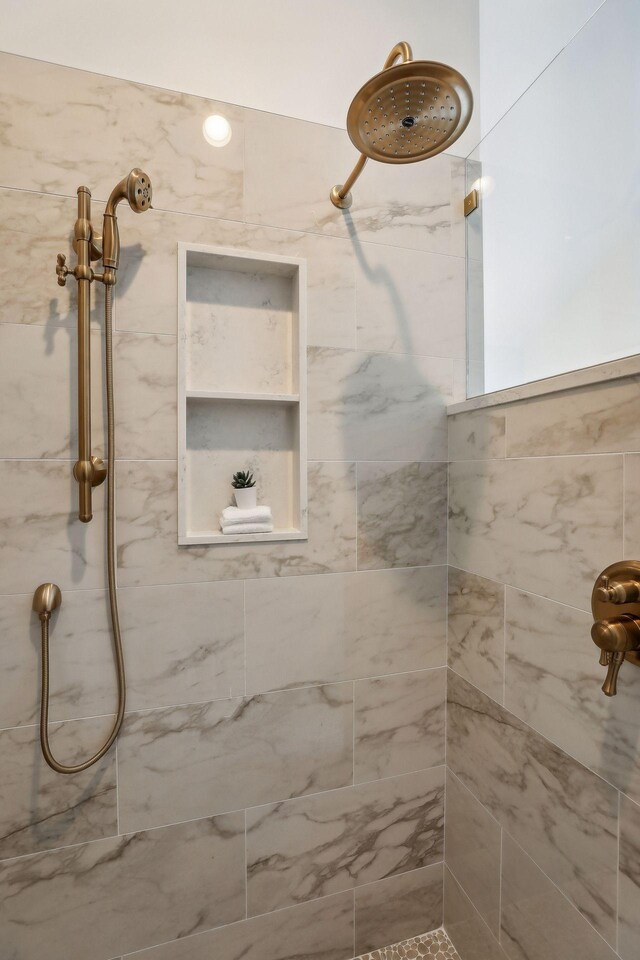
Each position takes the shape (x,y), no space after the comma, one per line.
(232,515)
(234,528)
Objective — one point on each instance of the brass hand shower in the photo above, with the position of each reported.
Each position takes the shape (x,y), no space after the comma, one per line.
(90,471)
(410,111)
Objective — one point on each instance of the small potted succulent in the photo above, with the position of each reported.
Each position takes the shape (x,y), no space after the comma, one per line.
(245,489)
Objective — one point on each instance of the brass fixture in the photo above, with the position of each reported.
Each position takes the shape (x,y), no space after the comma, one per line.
(471,202)
(89,470)
(615,603)
(410,111)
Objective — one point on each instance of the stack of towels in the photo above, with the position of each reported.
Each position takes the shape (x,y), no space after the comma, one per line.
(253,520)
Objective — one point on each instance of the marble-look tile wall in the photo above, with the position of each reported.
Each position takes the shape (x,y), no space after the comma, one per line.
(543,795)
(278,787)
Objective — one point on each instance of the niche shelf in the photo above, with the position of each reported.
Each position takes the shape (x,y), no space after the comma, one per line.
(242,396)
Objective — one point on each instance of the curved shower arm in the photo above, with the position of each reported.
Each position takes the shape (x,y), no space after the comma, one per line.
(340,195)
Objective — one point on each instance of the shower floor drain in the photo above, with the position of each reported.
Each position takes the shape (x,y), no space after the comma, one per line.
(430,946)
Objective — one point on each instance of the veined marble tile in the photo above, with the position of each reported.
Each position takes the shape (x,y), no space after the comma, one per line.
(562,814)
(124,893)
(629,880)
(462,922)
(38,392)
(600,418)
(538,923)
(478,435)
(545,525)
(321,929)
(34,229)
(472,846)
(192,761)
(631,513)
(409,301)
(148,550)
(476,631)
(345,626)
(553,681)
(366,406)
(145,396)
(306,848)
(401,514)
(421,209)
(41,809)
(183,643)
(56,113)
(147,291)
(399,726)
(394,909)
(41,538)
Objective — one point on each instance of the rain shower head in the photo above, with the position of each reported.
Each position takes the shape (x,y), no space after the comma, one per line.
(409,111)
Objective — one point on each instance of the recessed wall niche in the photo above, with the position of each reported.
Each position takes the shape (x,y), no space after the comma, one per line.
(241,388)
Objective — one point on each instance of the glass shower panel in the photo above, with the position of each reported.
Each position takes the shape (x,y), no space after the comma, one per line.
(553,251)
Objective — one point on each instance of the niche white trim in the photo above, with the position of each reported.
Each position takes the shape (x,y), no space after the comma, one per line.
(242,388)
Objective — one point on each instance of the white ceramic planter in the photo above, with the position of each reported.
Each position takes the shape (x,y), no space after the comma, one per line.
(246,498)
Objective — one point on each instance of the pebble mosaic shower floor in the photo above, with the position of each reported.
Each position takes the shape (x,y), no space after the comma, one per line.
(432,946)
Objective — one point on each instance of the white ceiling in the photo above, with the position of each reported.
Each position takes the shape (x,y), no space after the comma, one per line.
(300,58)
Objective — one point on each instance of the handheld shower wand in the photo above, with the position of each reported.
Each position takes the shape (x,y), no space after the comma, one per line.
(88,470)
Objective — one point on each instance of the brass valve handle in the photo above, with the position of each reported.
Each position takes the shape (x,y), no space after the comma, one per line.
(616,637)
(62,269)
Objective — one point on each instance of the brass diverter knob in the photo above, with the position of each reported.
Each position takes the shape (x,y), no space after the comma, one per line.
(615,603)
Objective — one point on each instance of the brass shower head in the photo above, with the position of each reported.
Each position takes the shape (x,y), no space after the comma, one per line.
(136,189)
(409,111)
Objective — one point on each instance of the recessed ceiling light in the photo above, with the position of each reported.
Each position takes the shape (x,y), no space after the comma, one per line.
(216,130)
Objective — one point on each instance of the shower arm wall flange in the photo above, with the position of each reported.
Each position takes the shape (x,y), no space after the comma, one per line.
(340,195)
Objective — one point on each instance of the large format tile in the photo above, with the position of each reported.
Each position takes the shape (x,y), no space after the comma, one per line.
(600,418)
(41,538)
(472,846)
(469,933)
(38,392)
(124,893)
(562,814)
(401,514)
(148,549)
(193,761)
(553,681)
(409,302)
(306,848)
(321,929)
(631,513)
(475,632)
(544,525)
(147,291)
(145,396)
(538,922)
(399,724)
(56,113)
(33,229)
(365,406)
(629,880)
(397,908)
(342,627)
(182,643)
(422,209)
(41,809)
(478,435)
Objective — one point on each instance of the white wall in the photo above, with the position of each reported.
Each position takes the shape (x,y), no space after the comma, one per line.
(300,58)
(518,39)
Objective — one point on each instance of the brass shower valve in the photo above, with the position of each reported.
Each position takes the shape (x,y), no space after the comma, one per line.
(615,603)
(80,271)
